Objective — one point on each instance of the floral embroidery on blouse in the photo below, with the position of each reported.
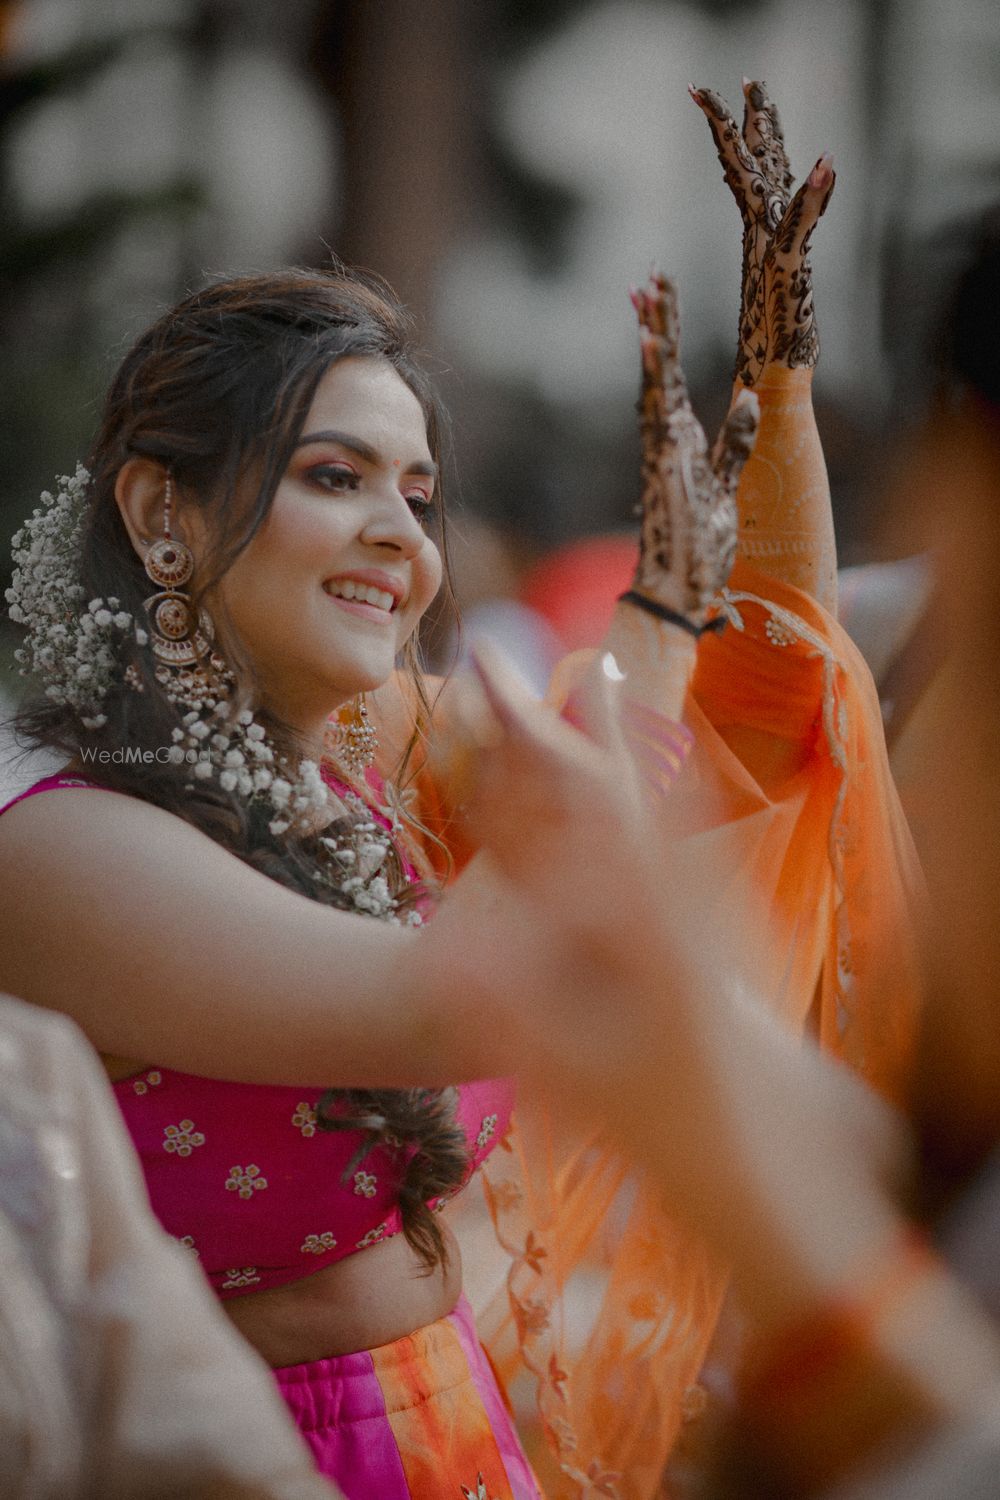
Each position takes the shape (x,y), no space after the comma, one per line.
(237,1278)
(245,1183)
(487,1131)
(372,1237)
(364,1184)
(304,1118)
(151,1080)
(318,1244)
(187,1240)
(182,1138)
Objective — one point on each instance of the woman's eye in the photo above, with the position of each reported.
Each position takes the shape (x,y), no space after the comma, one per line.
(421,505)
(336,477)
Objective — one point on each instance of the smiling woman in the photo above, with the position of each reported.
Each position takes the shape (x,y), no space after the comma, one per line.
(255,539)
(248,556)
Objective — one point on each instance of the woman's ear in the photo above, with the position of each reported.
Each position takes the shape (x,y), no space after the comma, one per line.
(140,493)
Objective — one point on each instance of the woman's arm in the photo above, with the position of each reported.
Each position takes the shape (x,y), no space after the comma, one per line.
(786,524)
(164,947)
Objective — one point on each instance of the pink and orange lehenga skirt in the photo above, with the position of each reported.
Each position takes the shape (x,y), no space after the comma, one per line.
(422,1417)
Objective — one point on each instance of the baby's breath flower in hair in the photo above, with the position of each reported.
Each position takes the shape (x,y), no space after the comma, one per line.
(74,649)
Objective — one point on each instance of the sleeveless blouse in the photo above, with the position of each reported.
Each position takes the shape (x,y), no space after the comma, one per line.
(246,1178)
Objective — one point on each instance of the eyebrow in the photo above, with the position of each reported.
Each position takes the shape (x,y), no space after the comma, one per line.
(365,450)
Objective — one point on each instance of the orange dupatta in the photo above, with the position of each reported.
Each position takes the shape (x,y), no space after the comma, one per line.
(608,1307)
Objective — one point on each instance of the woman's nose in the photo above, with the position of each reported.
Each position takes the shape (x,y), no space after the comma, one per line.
(392,524)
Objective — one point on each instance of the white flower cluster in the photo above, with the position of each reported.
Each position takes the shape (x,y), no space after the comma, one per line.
(235,751)
(75,649)
(359,855)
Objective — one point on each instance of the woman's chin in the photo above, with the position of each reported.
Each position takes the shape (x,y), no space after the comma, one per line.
(361,677)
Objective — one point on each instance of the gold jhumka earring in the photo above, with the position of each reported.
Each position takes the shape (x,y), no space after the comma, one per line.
(356,740)
(190,672)
(177,637)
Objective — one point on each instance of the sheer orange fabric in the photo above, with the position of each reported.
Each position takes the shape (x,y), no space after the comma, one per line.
(611,1306)
(608,1307)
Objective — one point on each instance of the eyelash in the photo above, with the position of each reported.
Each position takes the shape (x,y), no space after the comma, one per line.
(347,479)
(338,479)
(421,506)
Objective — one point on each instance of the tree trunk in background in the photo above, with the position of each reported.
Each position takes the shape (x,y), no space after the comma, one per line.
(402,77)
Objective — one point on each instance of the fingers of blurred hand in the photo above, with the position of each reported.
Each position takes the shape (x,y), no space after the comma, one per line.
(735,442)
(534,738)
(546,795)
(599,706)
(520,716)
(599,709)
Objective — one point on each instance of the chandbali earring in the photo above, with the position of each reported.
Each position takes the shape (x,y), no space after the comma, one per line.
(177,637)
(357,741)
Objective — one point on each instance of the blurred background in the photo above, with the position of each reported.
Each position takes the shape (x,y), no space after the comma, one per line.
(510,166)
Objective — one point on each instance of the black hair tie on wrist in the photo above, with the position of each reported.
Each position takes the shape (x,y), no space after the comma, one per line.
(671,615)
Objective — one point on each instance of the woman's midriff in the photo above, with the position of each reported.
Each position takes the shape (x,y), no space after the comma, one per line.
(372,1297)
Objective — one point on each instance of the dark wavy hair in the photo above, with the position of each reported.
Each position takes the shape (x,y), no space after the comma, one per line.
(217,391)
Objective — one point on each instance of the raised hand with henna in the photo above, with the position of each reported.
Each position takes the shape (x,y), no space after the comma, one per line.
(777,319)
(688,507)
(785,519)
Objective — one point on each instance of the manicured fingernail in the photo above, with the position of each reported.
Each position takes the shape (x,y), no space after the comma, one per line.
(694,92)
(746,82)
(610,668)
(822,171)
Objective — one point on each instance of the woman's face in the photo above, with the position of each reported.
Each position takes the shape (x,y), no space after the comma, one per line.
(339,574)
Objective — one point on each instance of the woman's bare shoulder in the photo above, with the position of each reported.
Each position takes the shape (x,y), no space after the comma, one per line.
(125,917)
(73,818)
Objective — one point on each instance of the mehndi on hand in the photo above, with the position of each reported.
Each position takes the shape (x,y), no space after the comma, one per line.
(688,508)
(777,319)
